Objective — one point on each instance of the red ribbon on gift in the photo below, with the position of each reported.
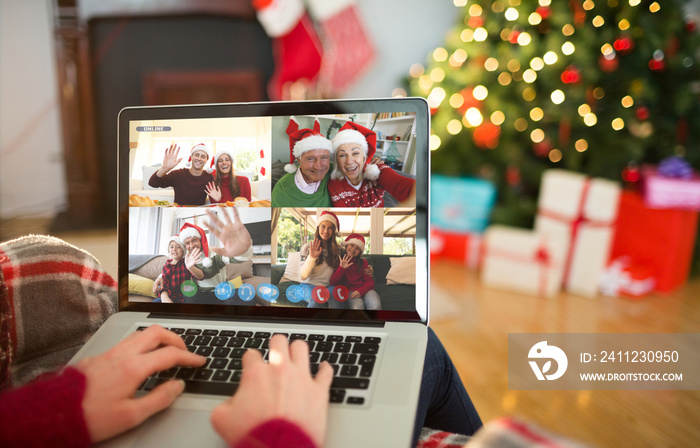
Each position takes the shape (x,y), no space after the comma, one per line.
(575,224)
(541,257)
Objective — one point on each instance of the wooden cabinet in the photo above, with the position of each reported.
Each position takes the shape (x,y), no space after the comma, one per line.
(117,53)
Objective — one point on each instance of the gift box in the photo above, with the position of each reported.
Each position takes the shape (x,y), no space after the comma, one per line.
(520,260)
(662,239)
(462,247)
(579,213)
(663,189)
(461,204)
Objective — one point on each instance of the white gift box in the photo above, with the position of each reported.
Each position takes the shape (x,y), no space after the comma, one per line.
(520,260)
(579,213)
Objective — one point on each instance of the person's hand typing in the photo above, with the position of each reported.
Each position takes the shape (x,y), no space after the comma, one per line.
(281,388)
(112,378)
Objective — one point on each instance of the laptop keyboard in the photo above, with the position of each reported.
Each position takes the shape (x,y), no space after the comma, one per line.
(353,359)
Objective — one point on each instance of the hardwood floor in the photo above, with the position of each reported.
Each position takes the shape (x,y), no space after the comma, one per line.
(473,323)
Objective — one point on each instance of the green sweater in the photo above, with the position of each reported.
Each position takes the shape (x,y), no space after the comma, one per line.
(287,194)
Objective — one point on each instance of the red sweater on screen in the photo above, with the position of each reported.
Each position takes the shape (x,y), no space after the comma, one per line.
(243,186)
(371,192)
(353,279)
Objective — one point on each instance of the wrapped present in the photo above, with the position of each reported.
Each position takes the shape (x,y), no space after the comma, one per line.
(673,184)
(462,247)
(579,213)
(661,239)
(622,278)
(520,260)
(461,204)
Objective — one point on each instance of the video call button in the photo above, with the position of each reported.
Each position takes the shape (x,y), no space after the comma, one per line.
(188,288)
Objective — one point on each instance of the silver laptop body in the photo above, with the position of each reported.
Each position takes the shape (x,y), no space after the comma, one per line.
(387,411)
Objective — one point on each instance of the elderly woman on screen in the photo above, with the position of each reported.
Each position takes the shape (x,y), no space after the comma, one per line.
(355,182)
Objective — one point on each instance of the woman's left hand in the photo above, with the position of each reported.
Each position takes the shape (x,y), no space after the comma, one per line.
(113,377)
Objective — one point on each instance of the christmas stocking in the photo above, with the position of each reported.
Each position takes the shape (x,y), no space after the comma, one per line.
(347,49)
(296,47)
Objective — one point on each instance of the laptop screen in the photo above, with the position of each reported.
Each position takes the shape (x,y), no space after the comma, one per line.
(319,210)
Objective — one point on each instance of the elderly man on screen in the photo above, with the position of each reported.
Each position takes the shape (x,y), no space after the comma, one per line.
(307,186)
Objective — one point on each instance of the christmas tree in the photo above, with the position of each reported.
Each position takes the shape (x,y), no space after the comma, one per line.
(598,87)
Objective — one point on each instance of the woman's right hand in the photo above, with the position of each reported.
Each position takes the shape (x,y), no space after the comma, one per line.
(315,248)
(213,191)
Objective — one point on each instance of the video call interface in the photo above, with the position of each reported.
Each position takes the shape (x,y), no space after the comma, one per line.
(328,202)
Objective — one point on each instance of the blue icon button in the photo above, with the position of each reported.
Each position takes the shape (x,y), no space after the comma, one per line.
(246,292)
(268,292)
(224,291)
(298,293)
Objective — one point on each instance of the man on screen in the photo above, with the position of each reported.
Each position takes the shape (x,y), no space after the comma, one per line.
(190,182)
(308,185)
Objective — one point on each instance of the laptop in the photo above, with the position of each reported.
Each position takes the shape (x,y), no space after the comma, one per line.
(262,293)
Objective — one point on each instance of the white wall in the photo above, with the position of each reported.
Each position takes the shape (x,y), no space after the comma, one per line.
(32,180)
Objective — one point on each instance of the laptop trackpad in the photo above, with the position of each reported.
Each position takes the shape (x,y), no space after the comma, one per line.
(171,428)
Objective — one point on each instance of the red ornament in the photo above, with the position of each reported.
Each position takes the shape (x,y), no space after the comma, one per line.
(487,135)
(642,113)
(475,21)
(608,64)
(542,148)
(630,174)
(544,12)
(623,44)
(571,75)
(657,64)
(262,171)
(690,24)
(513,175)
(513,37)
(469,100)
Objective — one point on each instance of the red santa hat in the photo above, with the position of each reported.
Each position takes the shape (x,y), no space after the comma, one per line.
(352,132)
(198,147)
(215,159)
(330,217)
(356,239)
(302,140)
(177,240)
(192,231)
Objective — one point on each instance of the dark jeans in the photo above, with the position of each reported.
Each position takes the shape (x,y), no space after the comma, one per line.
(443,403)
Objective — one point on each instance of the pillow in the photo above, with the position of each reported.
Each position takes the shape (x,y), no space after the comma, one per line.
(147,172)
(402,272)
(237,282)
(244,269)
(291,272)
(141,286)
(153,268)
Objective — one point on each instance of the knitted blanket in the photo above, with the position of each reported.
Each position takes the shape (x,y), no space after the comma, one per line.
(53,297)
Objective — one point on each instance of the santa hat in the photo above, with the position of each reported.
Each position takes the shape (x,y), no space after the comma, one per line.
(352,132)
(215,159)
(330,217)
(356,239)
(302,140)
(198,147)
(176,239)
(190,230)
